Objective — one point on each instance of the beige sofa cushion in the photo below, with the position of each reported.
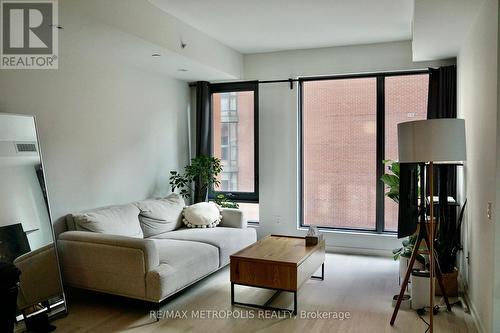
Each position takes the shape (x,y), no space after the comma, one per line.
(116,220)
(181,263)
(227,240)
(202,215)
(162,215)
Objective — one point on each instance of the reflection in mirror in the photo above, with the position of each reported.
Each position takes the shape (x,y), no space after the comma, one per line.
(27,252)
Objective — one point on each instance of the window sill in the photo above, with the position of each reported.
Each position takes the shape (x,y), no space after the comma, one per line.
(353,232)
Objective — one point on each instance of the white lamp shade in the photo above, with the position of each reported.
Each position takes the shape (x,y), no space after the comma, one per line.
(432,140)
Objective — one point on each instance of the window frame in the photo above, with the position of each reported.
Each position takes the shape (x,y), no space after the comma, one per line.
(380,145)
(246,197)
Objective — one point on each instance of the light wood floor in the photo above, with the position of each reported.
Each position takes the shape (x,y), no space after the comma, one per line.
(363,286)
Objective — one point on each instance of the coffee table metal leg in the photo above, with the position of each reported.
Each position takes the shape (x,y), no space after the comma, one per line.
(322,277)
(294,303)
(267,304)
(232,293)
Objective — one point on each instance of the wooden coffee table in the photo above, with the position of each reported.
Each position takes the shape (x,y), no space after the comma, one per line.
(281,263)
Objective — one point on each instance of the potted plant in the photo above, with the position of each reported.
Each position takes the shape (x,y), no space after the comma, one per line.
(403,254)
(202,173)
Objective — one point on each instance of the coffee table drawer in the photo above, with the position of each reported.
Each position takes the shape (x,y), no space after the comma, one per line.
(264,274)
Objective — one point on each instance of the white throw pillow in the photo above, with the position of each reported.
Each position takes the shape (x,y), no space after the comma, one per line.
(202,215)
(161,215)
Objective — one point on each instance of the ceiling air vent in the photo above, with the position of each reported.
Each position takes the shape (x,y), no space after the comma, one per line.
(26,147)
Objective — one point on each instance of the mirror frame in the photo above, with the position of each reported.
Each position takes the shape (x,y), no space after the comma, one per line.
(63,312)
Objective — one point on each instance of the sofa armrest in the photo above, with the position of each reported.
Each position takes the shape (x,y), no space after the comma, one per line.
(107,263)
(233,218)
(146,246)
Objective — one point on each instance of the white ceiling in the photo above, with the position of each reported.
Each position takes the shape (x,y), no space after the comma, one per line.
(274,25)
(97,25)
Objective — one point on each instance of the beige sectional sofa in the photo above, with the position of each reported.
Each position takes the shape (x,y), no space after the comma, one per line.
(141,250)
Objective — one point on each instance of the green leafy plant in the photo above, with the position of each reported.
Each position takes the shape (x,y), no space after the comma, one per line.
(201,175)
(407,249)
(224,202)
(391,180)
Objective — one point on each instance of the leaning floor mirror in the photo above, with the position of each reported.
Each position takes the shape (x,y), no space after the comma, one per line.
(28,256)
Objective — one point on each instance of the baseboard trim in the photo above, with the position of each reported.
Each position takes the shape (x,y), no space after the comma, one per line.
(475,318)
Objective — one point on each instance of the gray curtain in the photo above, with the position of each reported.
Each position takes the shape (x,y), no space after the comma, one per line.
(203,128)
(203,119)
(442,103)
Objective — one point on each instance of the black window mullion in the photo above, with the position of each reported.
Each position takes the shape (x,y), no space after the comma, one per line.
(256,141)
(248,197)
(300,110)
(380,154)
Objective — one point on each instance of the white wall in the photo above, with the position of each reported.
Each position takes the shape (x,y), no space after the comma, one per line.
(278,125)
(110,131)
(477,103)
(496,259)
(333,60)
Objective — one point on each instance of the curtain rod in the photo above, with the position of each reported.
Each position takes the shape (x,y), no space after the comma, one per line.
(290,80)
(338,76)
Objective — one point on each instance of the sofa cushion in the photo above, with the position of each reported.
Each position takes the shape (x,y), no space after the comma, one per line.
(202,215)
(227,240)
(162,215)
(116,220)
(181,263)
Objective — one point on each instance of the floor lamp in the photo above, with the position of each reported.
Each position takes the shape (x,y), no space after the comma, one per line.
(431,141)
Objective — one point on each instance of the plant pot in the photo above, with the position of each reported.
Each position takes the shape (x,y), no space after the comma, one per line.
(450,281)
(420,289)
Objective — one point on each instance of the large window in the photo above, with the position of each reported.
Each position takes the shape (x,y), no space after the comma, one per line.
(235,142)
(348,127)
